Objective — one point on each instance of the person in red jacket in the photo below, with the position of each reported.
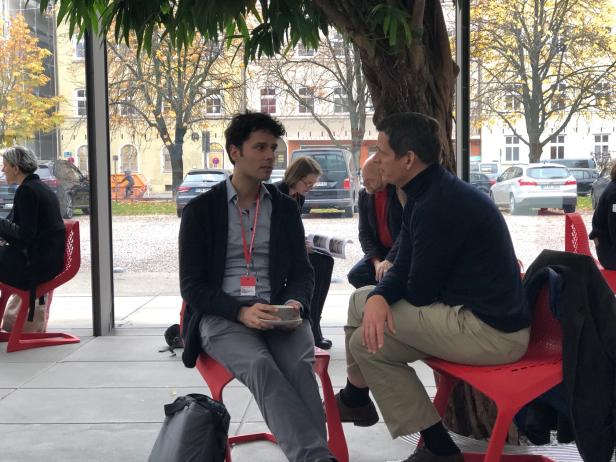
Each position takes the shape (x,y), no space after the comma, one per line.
(380,215)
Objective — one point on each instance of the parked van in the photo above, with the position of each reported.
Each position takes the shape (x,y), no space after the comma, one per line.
(338,186)
(583,162)
(490,169)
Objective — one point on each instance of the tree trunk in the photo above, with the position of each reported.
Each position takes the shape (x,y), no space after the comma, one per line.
(176,152)
(419,77)
(357,138)
(535,150)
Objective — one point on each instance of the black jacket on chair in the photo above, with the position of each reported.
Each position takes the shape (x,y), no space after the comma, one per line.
(587,310)
(368,236)
(203,249)
(35,234)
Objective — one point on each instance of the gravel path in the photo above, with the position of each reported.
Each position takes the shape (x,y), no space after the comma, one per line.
(149,243)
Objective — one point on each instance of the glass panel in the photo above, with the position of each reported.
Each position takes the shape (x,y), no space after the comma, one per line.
(547,172)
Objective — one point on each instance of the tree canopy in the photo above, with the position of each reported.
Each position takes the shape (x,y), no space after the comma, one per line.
(543,62)
(22,72)
(403,44)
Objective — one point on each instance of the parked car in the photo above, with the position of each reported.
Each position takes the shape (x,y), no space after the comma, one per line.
(68,183)
(523,187)
(339,184)
(480,181)
(585,177)
(490,169)
(598,187)
(197,182)
(7,192)
(582,162)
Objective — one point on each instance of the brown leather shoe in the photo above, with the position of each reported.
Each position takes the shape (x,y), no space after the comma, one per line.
(425,455)
(362,416)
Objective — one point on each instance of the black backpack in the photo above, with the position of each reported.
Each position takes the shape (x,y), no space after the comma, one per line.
(195,430)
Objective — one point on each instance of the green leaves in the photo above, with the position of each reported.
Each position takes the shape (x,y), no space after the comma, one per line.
(392,19)
(264,28)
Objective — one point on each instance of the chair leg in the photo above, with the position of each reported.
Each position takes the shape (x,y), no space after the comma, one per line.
(499,434)
(337,441)
(446,383)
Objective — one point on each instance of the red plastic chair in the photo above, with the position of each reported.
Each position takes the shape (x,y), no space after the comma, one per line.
(19,340)
(217,377)
(510,386)
(576,241)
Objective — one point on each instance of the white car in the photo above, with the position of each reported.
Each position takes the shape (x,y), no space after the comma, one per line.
(536,186)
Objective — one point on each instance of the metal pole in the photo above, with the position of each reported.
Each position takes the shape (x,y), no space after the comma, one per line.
(463,123)
(100,190)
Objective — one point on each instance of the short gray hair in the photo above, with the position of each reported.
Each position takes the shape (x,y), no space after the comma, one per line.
(21,157)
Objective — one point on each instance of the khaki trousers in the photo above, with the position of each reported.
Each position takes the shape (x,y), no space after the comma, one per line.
(438,330)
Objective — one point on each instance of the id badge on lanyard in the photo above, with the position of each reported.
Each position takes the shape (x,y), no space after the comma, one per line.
(248,283)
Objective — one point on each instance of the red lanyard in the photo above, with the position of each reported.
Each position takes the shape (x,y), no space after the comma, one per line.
(248,250)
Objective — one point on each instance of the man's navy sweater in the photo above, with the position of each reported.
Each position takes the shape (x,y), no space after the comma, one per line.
(455,249)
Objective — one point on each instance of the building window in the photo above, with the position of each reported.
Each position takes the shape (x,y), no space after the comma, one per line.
(337,43)
(127,109)
(213,101)
(301,50)
(80,98)
(560,98)
(80,48)
(165,160)
(82,158)
(602,145)
(129,158)
(341,100)
(268,100)
(369,105)
(512,148)
(603,93)
(306,103)
(557,149)
(513,102)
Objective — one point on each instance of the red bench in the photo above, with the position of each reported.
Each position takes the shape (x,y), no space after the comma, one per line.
(19,340)
(576,241)
(510,386)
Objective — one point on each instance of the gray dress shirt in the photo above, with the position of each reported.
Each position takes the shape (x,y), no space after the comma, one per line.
(235,266)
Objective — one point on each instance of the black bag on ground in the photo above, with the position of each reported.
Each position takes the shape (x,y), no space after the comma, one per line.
(195,430)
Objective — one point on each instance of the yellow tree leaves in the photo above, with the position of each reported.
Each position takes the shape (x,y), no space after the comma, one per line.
(23,112)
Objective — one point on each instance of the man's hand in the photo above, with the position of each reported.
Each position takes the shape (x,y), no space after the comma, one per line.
(309,247)
(382,268)
(253,316)
(377,315)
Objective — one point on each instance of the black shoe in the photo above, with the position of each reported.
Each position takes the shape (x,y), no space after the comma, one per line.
(362,416)
(323,343)
(425,455)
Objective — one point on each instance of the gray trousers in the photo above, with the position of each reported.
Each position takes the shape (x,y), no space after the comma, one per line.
(277,367)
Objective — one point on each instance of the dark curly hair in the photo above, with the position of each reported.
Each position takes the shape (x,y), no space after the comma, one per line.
(242,125)
(412,131)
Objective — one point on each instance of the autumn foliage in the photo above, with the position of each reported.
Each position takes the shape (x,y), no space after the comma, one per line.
(22,111)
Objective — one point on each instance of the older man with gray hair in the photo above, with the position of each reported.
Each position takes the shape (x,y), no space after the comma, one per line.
(380,215)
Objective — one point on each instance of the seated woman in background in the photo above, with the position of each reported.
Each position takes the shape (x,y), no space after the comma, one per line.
(34,233)
(299,178)
(604,224)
